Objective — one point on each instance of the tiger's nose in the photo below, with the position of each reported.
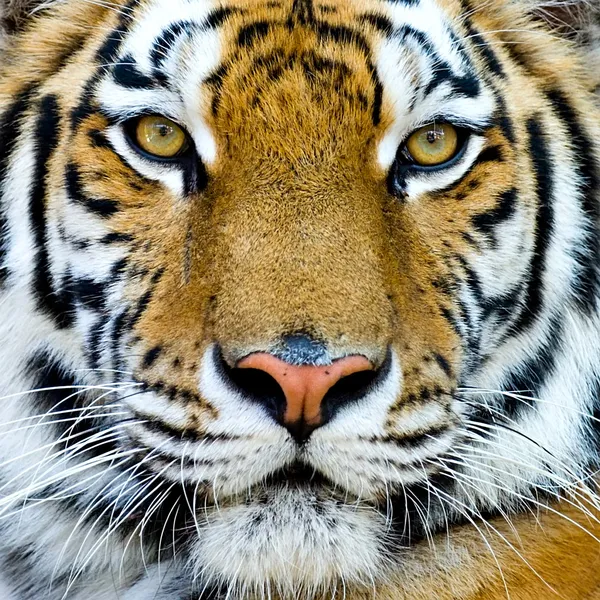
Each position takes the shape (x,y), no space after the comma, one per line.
(305,387)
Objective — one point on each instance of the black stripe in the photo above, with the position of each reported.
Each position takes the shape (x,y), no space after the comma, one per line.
(218,16)
(102,207)
(89,292)
(164,42)
(303,11)
(347,36)
(443,364)
(116,238)
(490,154)
(468,84)
(47,373)
(93,343)
(480,46)
(59,306)
(128,75)
(502,120)
(470,278)
(379,22)
(502,306)
(249,34)
(544,224)
(10,129)
(586,171)
(486,222)
(529,377)
(18,562)
(105,57)
(151,356)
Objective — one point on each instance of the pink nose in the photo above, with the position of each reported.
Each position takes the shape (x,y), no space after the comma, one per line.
(304,386)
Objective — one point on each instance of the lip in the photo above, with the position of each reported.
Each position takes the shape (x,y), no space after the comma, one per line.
(297,474)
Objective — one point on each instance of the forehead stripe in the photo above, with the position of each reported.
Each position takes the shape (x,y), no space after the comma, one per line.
(106,55)
(325,32)
(163,43)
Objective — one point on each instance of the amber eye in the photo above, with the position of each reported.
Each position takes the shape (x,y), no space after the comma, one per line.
(433,144)
(160,137)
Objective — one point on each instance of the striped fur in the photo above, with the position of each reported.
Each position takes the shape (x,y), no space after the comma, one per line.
(131,467)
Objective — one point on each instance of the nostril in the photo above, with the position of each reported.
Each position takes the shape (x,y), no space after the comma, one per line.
(257,386)
(348,389)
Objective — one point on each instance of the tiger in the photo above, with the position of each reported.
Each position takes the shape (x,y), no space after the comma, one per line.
(299,299)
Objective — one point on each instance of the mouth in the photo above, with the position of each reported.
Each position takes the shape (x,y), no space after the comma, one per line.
(298,475)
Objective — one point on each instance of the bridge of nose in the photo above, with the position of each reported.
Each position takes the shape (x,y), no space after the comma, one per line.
(304,386)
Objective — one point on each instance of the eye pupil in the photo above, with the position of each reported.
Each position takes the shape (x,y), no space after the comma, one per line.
(432,136)
(163,130)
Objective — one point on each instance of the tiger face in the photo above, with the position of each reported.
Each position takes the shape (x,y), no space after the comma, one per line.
(329,268)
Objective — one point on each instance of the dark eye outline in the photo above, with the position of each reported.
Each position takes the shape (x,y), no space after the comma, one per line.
(404,163)
(183,157)
(195,176)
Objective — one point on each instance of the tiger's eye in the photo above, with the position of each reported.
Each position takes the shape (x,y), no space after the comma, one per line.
(433,144)
(160,137)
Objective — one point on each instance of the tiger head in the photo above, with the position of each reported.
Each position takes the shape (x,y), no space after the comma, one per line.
(338,260)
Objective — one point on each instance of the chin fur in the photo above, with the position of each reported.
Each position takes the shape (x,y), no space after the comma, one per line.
(296,541)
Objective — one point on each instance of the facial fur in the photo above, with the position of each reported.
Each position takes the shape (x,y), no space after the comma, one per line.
(133,288)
